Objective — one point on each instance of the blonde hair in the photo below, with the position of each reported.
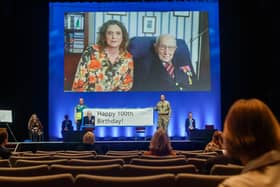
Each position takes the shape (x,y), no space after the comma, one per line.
(88,138)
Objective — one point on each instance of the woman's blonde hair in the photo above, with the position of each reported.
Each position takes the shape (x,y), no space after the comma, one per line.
(88,138)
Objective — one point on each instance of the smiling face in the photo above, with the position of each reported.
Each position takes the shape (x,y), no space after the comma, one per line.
(165,48)
(114,36)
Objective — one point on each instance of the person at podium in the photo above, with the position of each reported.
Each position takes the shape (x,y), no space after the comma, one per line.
(89,122)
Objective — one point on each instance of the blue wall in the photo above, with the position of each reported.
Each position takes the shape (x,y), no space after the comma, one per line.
(205,105)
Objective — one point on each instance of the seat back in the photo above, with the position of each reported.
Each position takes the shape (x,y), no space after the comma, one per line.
(229,169)
(5,163)
(42,181)
(20,163)
(25,171)
(163,180)
(140,170)
(159,162)
(83,162)
(107,170)
(199,180)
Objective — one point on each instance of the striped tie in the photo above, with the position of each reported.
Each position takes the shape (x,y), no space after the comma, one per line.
(170,69)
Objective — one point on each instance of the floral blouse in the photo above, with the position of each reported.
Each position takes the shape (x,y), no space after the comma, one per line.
(96,73)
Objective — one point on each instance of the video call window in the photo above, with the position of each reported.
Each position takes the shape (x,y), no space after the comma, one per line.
(122,51)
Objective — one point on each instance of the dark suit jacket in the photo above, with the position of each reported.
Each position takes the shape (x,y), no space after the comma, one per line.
(187,123)
(160,80)
(68,124)
(90,120)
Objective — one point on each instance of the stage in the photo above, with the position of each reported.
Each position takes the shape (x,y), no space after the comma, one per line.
(102,147)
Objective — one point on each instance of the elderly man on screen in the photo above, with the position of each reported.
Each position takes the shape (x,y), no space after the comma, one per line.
(166,73)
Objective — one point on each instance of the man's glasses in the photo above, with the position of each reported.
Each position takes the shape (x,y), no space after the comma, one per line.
(165,47)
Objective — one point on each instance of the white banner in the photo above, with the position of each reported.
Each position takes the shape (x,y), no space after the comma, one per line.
(122,116)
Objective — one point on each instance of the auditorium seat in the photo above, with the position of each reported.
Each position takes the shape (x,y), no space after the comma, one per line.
(198,162)
(158,162)
(228,169)
(13,158)
(83,162)
(126,158)
(59,180)
(86,157)
(21,162)
(161,157)
(107,170)
(5,163)
(121,153)
(25,171)
(198,180)
(141,170)
(162,180)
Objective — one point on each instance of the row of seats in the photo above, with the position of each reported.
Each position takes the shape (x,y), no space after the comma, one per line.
(81,180)
(114,170)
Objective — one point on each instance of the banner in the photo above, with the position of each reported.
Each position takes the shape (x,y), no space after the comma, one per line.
(122,116)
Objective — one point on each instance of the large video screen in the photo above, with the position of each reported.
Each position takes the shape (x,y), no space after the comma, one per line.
(125,55)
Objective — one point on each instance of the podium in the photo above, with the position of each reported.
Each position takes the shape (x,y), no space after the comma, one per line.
(88,127)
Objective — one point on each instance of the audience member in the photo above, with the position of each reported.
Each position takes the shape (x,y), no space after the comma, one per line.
(160,144)
(35,128)
(5,153)
(89,138)
(252,134)
(216,144)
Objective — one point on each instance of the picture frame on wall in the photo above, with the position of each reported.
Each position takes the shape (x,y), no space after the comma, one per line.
(182,13)
(149,24)
(117,13)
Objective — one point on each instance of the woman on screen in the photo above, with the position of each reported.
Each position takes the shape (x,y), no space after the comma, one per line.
(107,65)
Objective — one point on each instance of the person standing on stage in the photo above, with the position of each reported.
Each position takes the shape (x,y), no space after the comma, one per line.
(79,113)
(164,111)
(66,125)
(190,123)
(35,128)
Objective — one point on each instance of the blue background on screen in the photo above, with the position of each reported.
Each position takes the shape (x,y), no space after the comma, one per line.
(205,105)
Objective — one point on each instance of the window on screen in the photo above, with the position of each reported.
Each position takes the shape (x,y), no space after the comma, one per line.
(122,51)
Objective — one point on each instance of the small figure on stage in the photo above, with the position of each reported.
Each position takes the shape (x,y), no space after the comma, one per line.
(66,125)
(79,113)
(35,128)
(89,122)
(189,123)
(164,111)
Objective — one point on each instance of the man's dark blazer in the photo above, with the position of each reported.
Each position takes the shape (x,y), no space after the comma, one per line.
(160,80)
(187,123)
(88,120)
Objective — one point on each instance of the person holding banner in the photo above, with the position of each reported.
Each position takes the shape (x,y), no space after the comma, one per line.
(164,111)
(79,113)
